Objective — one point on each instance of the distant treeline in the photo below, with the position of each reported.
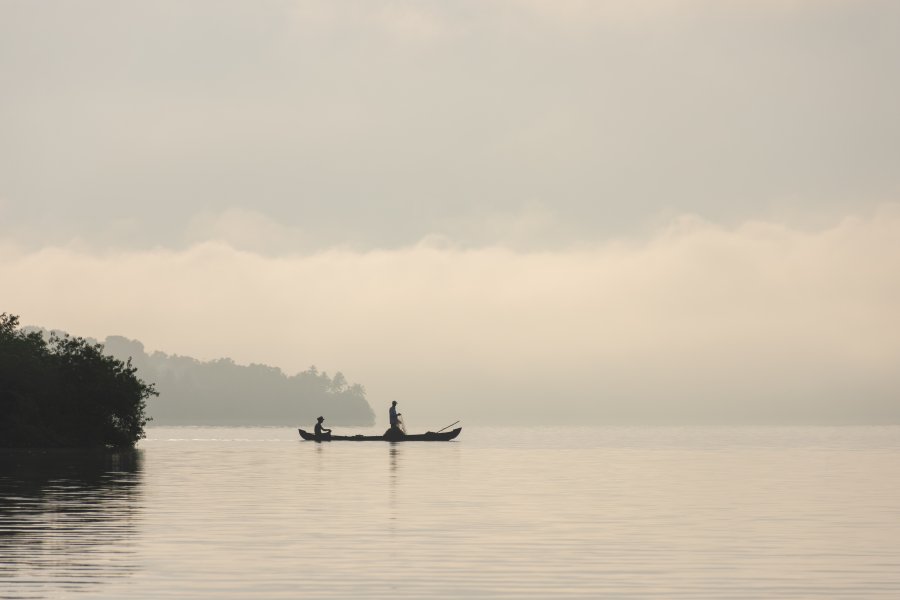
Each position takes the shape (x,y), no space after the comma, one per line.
(60,391)
(220,392)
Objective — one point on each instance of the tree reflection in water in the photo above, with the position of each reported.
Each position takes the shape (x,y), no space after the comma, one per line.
(67,519)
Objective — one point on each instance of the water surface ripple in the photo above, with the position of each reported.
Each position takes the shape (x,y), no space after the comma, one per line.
(500,513)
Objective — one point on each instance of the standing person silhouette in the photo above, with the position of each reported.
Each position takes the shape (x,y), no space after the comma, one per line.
(395,431)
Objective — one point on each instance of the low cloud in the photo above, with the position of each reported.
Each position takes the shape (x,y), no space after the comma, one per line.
(758,323)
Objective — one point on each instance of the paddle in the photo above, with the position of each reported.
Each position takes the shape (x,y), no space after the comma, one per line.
(450,425)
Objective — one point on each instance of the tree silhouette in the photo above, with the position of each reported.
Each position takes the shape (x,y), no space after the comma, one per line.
(65,392)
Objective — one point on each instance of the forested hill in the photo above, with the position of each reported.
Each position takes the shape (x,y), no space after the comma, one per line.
(220,392)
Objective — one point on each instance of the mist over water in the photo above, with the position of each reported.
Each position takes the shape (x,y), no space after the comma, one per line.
(647,219)
(699,324)
(622,512)
(685,208)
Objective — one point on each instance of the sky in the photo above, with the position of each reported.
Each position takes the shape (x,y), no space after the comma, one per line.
(505,211)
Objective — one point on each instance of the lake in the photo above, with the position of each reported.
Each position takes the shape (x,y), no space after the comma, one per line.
(617,512)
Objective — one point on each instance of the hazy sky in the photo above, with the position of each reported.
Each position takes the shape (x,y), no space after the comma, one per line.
(567,210)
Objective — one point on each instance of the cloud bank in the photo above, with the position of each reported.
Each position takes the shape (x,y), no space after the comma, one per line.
(696,323)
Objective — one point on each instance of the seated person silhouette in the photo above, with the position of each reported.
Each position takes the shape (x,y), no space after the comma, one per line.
(321,432)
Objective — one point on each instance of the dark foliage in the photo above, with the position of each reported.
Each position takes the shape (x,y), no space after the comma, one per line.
(65,392)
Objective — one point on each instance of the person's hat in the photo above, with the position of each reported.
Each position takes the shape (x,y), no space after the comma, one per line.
(321,418)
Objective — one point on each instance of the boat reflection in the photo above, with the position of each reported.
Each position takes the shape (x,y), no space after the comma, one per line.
(67,519)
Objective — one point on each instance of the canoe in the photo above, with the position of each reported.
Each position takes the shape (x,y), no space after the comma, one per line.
(431,436)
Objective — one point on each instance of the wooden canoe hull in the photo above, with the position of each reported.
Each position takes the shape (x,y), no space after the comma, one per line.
(431,436)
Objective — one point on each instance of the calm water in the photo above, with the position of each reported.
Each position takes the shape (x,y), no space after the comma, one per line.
(500,513)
